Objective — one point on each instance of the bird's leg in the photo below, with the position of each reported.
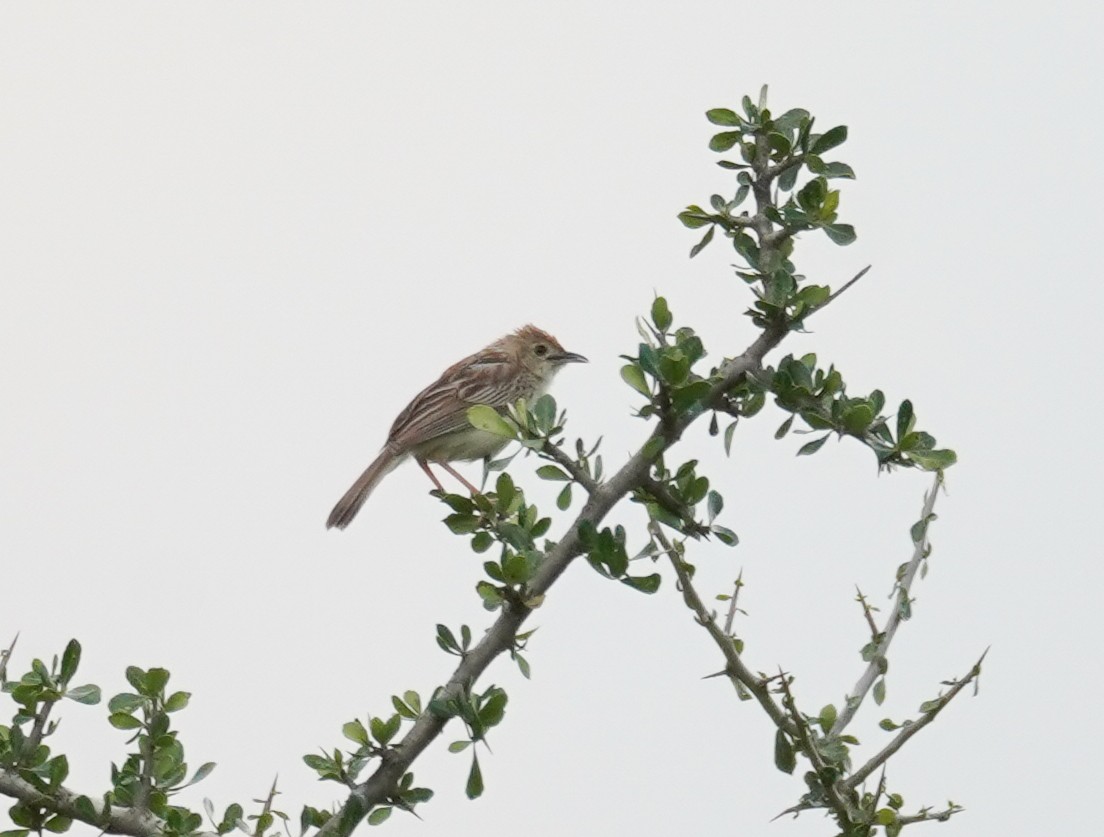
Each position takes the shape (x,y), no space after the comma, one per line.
(425,467)
(456,474)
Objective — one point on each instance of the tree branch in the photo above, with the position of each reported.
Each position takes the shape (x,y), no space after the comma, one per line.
(910,730)
(904,585)
(118,820)
(926,816)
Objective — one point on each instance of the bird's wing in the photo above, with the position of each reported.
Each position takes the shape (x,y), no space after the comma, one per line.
(442,407)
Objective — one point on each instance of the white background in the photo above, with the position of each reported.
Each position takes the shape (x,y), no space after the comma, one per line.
(235,238)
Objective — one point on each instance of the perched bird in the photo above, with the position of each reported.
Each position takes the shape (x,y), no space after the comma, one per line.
(434,427)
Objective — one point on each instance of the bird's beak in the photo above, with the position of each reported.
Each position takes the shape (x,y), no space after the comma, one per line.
(567,357)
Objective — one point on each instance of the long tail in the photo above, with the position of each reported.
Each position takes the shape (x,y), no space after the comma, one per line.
(348,506)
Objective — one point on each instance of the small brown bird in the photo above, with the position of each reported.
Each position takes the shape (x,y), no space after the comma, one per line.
(434,427)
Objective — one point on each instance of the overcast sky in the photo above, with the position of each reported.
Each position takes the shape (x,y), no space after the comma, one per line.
(236,238)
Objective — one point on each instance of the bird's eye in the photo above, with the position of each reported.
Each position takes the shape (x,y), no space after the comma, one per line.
(541,350)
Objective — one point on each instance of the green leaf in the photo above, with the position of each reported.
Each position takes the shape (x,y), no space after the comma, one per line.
(59,770)
(121,720)
(812,447)
(177,701)
(447,639)
(934,460)
(832,170)
(70,659)
(694,217)
(85,809)
(858,418)
(58,824)
(723,116)
(661,314)
(715,504)
(784,428)
(491,713)
(124,702)
(632,375)
(724,141)
(354,730)
(490,595)
(474,788)
(202,773)
(841,234)
(701,245)
(879,691)
(459,746)
(563,501)
(386,731)
(827,717)
(788,179)
(906,419)
(462,524)
(728,438)
(830,139)
(505,491)
(89,694)
(551,472)
(885,816)
(156,678)
(136,678)
(645,583)
(545,411)
(784,758)
(725,535)
(379,815)
(488,418)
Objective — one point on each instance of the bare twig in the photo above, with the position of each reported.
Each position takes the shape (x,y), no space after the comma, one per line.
(910,730)
(5,656)
(904,585)
(926,815)
(730,618)
(835,294)
(867,612)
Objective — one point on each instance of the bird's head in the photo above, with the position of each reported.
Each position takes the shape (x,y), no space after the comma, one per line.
(540,352)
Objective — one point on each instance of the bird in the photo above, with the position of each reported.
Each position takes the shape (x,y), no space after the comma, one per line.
(434,426)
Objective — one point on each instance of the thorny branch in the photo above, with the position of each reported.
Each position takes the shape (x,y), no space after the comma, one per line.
(910,729)
(735,669)
(904,586)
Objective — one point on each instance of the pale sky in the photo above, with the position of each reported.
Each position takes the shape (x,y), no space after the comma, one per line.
(236,238)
